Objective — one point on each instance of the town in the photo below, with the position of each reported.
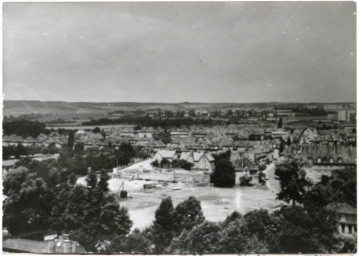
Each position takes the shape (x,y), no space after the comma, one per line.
(184,128)
(144,157)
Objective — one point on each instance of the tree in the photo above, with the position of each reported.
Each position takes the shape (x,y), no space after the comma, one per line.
(79,148)
(102,219)
(293,182)
(103,183)
(125,153)
(163,226)
(155,163)
(72,179)
(135,242)
(224,174)
(304,231)
(261,178)
(231,239)
(182,164)
(230,218)
(280,123)
(71,140)
(28,203)
(91,178)
(245,180)
(281,146)
(165,163)
(338,188)
(188,214)
(202,238)
(96,130)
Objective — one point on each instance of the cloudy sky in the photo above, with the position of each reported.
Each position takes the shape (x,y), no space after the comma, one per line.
(175,52)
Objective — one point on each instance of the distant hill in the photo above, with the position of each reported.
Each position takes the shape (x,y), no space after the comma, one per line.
(95,109)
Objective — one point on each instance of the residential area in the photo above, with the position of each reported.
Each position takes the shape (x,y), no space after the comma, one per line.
(146,164)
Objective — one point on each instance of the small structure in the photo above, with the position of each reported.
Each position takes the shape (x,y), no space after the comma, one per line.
(245,167)
(347,218)
(52,244)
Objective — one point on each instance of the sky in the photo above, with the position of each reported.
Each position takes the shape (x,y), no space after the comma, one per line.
(176,52)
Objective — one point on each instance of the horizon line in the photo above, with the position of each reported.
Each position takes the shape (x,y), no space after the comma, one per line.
(188,102)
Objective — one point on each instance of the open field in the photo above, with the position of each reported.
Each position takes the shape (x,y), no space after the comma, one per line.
(217,203)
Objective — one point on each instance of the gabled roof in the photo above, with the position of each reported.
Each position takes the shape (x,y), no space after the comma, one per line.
(243,162)
(167,153)
(185,155)
(197,156)
(210,157)
(342,208)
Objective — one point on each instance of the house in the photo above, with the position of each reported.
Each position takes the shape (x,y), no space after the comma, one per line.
(203,161)
(200,160)
(169,155)
(308,135)
(53,245)
(245,167)
(347,218)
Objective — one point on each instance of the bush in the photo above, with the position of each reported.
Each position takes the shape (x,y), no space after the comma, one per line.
(123,194)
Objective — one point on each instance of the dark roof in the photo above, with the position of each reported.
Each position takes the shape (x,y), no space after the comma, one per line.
(32,246)
(342,208)
(25,245)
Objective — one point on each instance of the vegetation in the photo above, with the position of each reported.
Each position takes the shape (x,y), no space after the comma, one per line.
(149,122)
(293,182)
(340,187)
(174,164)
(35,203)
(24,128)
(245,180)
(224,174)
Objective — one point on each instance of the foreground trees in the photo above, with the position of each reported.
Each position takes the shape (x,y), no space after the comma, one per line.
(39,200)
(88,214)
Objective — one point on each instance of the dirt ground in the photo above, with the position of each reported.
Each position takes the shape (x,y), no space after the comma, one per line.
(217,203)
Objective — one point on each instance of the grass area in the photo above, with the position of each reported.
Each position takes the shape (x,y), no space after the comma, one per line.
(217,203)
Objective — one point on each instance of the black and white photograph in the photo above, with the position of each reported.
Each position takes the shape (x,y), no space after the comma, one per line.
(179,127)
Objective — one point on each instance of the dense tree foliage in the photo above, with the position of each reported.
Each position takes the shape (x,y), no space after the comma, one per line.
(305,230)
(125,153)
(182,164)
(224,174)
(24,128)
(149,122)
(53,202)
(293,182)
(202,238)
(163,227)
(340,187)
(135,242)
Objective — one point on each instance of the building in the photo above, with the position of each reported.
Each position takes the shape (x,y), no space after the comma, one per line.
(200,160)
(169,155)
(245,167)
(53,244)
(347,218)
(346,115)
